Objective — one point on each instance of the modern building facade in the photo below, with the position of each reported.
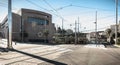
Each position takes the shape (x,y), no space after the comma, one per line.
(30,25)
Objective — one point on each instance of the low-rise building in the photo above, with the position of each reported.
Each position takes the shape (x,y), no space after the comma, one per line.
(30,25)
(100,36)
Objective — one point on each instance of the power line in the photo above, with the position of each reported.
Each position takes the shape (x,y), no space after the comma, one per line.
(94,29)
(55,11)
(53,8)
(2,3)
(45,9)
(41,7)
(3,6)
(91,8)
(49,5)
(103,17)
(98,19)
(36,5)
(63,7)
(71,5)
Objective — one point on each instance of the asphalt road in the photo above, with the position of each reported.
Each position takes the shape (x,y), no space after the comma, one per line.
(90,54)
(37,54)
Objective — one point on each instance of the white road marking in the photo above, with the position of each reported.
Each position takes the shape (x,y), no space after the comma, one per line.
(50,52)
(99,46)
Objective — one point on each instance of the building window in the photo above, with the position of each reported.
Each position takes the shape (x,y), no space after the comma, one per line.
(38,21)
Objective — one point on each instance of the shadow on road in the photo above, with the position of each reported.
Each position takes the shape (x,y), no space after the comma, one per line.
(110,46)
(38,57)
(3,49)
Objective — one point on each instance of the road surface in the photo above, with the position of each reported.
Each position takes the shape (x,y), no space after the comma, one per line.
(40,54)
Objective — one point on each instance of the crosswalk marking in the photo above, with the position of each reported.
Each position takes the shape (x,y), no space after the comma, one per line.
(46,51)
(99,46)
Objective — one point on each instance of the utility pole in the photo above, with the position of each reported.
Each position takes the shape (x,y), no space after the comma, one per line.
(116,27)
(62,27)
(75,33)
(78,30)
(96,28)
(9,44)
(78,24)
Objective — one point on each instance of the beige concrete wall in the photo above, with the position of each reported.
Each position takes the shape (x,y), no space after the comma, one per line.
(34,30)
(31,28)
(16,26)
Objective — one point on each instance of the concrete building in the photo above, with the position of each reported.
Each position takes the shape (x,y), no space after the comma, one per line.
(30,25)
(101,36)
(112,27)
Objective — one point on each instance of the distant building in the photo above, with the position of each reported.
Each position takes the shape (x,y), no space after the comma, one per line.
(112,27)
(101,35)
(30,25)
(91,36)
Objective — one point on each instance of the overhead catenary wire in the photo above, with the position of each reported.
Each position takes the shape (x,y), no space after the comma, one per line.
(44,8)
(97,29)
(4,2)
(66,6)
(60,8)
(41,7)
(51,6)
(56,12)
(91,8)
(54,9)
(3,5)
(101,18)
(72,5)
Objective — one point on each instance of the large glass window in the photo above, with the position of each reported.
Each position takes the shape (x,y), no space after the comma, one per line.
(38,21)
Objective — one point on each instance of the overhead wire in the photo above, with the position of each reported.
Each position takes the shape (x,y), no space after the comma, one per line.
(3,5)
(45,9)
(91,8)
(54,9)
(62,7)
(94,29)
(72,5)
(98,18)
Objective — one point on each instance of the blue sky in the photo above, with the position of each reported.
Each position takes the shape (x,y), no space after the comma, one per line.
(84,9)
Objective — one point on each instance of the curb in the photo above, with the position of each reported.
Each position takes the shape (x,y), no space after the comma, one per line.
(117,46)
